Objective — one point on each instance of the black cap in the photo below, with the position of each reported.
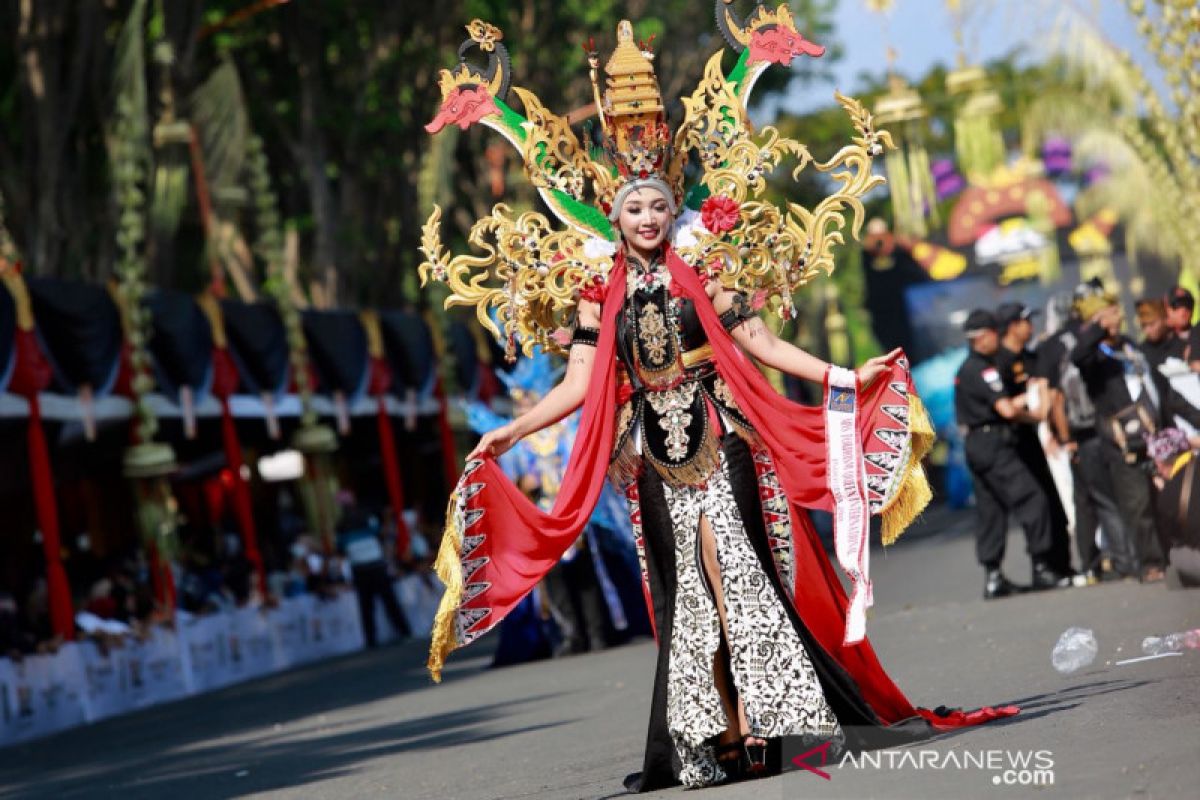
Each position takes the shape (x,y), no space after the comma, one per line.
(980,320)
(1179,297)
(1009,313)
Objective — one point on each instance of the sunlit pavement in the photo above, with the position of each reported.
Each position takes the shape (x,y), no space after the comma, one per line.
(371,725)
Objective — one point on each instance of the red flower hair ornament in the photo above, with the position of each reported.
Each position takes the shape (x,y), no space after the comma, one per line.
(720,214)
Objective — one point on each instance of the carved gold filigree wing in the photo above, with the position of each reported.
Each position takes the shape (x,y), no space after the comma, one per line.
(528,279)
(772,251)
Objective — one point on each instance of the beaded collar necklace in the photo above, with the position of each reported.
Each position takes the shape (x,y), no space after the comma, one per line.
(646,276)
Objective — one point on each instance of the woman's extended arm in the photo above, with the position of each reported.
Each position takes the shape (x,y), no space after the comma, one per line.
(558,402)
(760,342)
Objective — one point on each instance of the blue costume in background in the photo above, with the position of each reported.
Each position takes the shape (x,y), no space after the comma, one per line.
(528,632)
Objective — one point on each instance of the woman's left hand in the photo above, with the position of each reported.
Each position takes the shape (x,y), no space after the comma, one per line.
(875,367)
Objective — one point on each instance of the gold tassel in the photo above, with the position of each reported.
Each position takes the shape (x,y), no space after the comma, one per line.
(914,493)
(448,567)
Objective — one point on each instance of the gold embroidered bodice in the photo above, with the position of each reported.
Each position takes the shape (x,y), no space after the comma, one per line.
(669,384)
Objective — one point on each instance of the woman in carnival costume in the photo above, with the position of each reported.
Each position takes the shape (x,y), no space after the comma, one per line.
(592,597)
(659,290)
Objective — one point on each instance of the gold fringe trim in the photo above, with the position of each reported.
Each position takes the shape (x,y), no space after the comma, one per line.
(626,464)
(216,320)
(448,567)
(370,323)
(914,493)
(699,469)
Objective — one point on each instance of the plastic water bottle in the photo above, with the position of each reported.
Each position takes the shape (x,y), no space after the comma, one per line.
(1076,648)
(1172,642)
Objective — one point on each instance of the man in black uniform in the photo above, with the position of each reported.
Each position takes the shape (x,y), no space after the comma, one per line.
(1180,308)
(1073,423)
(1020,374)
(1159,341)
(1132,402)
(1003,484)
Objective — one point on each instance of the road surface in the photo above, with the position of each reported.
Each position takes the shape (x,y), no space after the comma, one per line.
(372,725)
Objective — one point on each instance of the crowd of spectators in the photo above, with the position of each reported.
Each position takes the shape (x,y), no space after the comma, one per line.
(120,595)
(1126,411)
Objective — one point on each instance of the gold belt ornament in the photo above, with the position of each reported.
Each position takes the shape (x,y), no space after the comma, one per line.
(698,356)
(689,359)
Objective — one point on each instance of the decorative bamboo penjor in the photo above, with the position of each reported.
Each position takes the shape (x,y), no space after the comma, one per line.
(1150,139)
(910,180)
(147,463)
(314,440)
(914,199)
(1174,158)
(978,142)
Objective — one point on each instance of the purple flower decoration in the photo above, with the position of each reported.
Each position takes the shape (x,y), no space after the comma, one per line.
(1056,155)
(946,180)
(1167,444)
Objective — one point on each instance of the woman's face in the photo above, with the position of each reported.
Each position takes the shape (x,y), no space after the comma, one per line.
(644,219)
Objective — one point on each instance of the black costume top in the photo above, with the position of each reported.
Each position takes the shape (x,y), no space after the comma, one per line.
(1016,368)
(1104,366)
(1170,346)
(977,387)
(667,371)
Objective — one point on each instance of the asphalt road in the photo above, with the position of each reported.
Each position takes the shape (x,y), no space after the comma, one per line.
(372,725)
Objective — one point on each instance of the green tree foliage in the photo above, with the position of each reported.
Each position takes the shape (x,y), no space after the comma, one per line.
(339,92)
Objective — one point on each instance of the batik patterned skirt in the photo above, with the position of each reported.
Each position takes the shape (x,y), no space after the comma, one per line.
(789,686)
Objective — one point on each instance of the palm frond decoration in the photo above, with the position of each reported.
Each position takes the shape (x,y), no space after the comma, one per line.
(218,111)
(1129,191)
(1113,114)
(129,82)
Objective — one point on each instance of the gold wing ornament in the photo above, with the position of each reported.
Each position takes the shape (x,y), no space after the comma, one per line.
(768,250)
(528,281)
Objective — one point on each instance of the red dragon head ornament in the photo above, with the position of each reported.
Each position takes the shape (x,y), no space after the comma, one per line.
(770,34)
(469,93)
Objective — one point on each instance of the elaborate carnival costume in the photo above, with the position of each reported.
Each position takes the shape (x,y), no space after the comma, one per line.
(594,592)
(677,415)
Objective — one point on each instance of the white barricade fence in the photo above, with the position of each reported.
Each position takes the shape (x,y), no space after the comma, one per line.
(203,649)
(249,644)
(289,632)
(84,682)
(103,679)
(154,670)
(419,595)
(40,695)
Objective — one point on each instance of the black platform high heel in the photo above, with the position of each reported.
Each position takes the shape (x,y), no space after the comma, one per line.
(731,758)
(756,756)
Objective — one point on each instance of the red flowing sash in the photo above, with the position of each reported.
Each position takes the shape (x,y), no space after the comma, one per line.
(498,544)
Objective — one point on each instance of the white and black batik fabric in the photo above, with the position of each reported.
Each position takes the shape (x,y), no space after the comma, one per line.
(771,669)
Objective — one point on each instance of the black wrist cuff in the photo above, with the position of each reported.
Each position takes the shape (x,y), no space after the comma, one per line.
(588,336)
(736,314)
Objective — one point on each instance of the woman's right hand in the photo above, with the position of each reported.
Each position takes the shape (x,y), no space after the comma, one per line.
(496,442)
